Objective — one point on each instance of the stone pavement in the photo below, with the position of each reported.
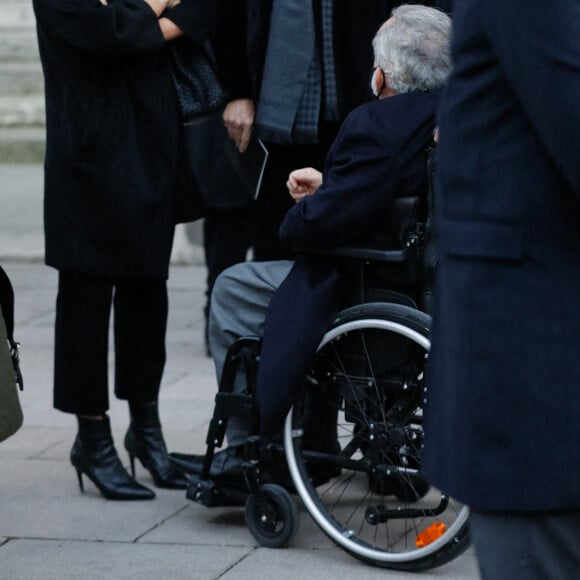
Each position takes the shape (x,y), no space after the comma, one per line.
(49,530)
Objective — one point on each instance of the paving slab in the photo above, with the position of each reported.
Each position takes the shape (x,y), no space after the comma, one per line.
(74,560)
(41,499)
(289,564)
(50,530)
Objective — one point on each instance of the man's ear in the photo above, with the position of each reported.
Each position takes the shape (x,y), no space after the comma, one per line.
(377,81)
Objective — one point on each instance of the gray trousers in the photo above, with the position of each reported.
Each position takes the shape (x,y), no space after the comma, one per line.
(239,301)
(527,547)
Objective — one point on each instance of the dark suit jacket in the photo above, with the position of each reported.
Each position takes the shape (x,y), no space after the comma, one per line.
(378,155)
(502,428)
(116,176)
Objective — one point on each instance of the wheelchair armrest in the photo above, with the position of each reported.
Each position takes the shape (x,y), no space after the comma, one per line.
(366,253)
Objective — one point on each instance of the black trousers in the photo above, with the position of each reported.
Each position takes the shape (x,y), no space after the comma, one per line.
(226,240)
(527,546)
(83,311)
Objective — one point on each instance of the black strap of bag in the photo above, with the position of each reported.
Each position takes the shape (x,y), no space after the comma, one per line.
(7,306)
(198,89)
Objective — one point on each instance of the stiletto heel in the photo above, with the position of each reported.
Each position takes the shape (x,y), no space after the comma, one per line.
(132,464)
(94,455)
(144,440)
(80,478)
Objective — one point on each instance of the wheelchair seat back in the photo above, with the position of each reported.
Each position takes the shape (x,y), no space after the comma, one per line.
(398,263)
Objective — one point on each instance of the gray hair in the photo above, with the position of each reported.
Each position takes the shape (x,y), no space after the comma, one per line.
(414,49)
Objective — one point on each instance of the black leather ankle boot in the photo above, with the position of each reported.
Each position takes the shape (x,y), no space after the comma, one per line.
(144,440)
(94,454)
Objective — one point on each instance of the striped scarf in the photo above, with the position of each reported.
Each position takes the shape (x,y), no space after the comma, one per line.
(297,74)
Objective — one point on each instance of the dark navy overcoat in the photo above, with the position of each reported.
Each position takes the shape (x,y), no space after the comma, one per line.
(502,422)
(379,155)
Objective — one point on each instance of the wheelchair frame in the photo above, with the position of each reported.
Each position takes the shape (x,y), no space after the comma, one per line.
(381,413)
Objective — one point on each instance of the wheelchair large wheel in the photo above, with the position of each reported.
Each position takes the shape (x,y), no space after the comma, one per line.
(366,390)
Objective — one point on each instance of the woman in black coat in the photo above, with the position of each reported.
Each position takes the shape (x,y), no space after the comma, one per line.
(116,183)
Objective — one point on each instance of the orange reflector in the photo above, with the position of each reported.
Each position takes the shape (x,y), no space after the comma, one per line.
(429,535)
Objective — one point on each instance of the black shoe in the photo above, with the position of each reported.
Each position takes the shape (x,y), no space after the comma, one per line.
(186,462)
(144,440)
(226,464)
(407,488)
(94,454)
(321,471)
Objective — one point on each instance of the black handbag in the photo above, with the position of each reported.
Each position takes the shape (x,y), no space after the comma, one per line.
(10,375)
(199,91)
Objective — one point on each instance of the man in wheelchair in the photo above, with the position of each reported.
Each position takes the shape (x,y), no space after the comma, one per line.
(374,172)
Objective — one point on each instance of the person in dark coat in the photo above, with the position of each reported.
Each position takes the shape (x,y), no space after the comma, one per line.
(294,70)
(378,156)
(227,196)
(241,45)
(501,420)
(116,183)
(340,30)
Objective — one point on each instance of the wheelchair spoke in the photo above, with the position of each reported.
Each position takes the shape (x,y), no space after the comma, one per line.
(369,373)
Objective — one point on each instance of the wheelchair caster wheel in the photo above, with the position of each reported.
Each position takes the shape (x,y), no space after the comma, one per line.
(272,516)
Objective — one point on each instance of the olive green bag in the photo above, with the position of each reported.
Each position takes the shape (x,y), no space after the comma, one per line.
(10,376)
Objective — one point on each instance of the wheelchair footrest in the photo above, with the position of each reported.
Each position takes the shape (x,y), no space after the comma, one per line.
(212,494)
(234,404)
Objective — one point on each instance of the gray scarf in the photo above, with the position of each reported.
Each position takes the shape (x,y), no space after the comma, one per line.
(290,96)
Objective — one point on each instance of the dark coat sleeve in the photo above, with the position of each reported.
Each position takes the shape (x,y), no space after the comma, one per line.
(377,156)
(194,17)
(358,166)
(537,47)
(119,28)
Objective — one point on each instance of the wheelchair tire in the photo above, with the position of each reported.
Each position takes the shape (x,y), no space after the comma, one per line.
(272,518)
(374,503)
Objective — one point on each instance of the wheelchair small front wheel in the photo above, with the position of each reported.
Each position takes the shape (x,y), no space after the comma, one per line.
(272,516)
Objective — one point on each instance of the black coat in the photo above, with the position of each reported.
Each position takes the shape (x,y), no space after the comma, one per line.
(116,179)
(502,428)
(379,155)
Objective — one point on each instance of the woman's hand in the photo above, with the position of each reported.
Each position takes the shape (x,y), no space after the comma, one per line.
(239,120)
(169,29)
(303,182)
(158,6)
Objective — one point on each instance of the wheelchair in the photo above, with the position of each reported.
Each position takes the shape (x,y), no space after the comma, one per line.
(361,482)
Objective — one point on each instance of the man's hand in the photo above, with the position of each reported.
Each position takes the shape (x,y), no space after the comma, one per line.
(303,182)
(239,120)
(173,3)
